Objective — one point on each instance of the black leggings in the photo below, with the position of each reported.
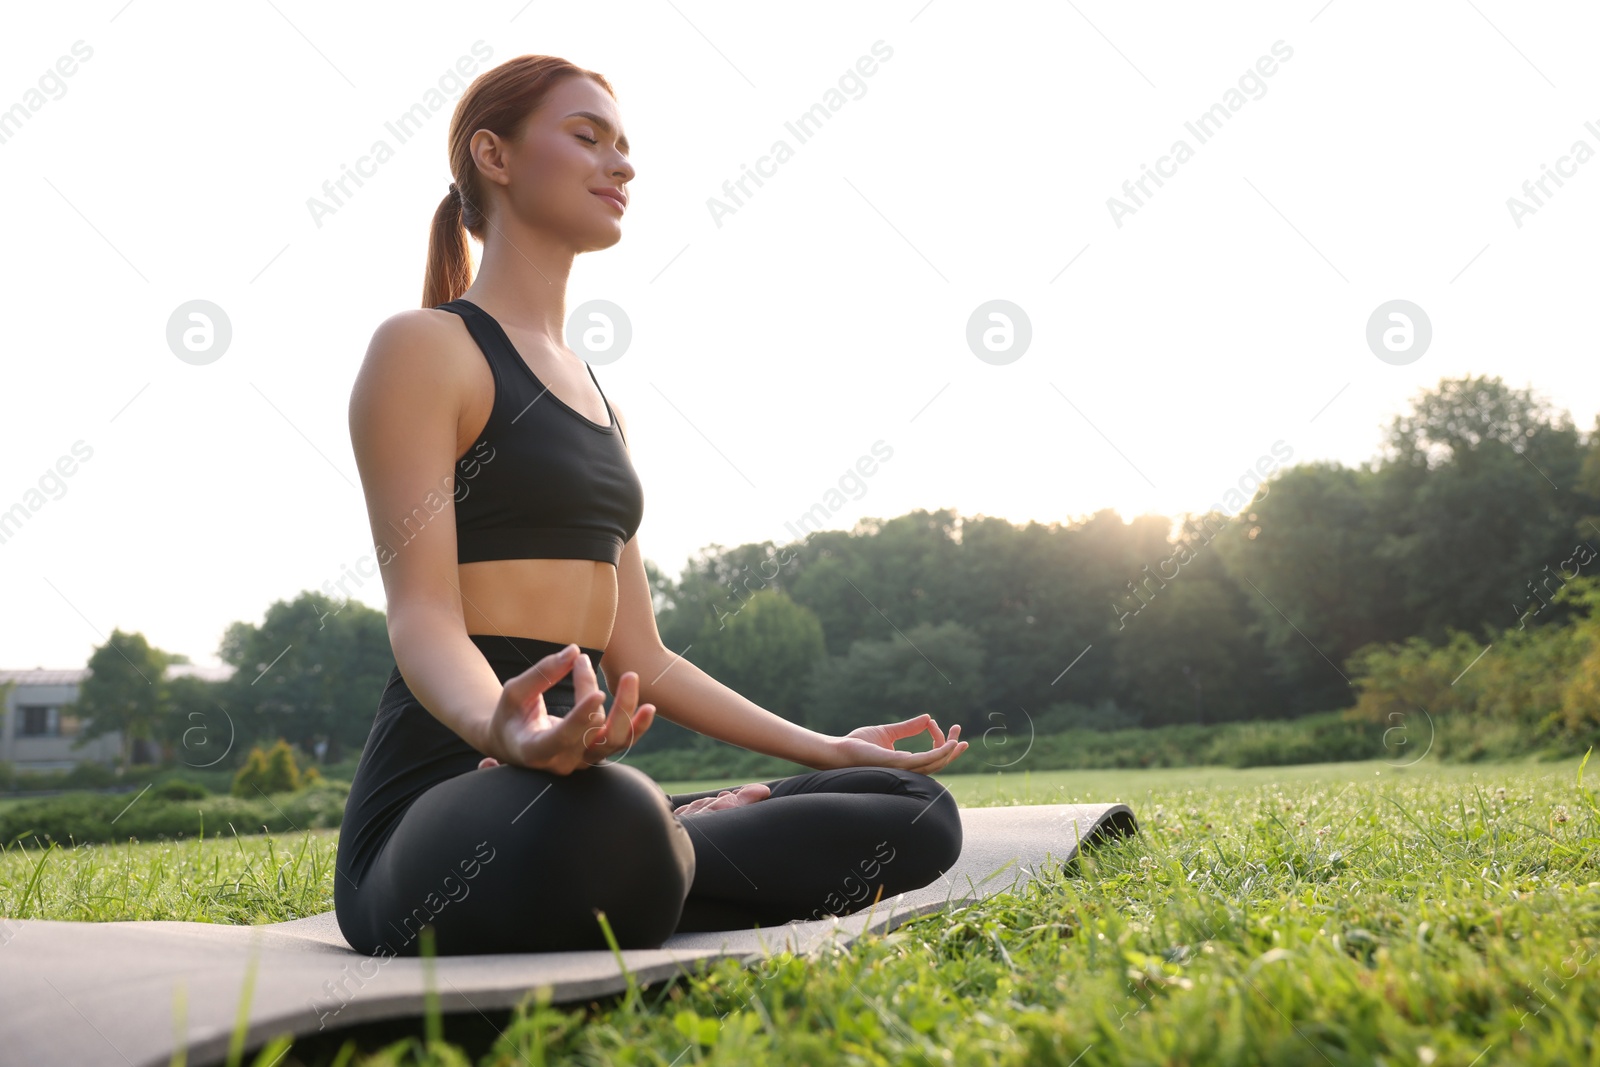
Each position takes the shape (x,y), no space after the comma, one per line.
(512,859)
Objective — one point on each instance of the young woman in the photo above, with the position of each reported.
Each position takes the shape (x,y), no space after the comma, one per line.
(504,503)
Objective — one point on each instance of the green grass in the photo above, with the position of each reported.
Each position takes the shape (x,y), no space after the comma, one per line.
(1318,914)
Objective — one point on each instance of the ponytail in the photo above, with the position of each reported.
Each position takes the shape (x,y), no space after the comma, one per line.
(449,263)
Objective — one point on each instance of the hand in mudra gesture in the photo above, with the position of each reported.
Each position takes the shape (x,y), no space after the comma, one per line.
(522,725)
(866,746)
(873,746)
(522,732)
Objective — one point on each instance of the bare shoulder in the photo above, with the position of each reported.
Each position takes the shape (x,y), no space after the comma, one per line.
(405,407)
(413,336)
(415,354)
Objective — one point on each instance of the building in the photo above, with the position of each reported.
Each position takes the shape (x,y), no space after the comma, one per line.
(37,733)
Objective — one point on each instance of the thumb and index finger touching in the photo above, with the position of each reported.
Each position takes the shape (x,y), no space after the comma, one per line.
(526,689)
(914,726)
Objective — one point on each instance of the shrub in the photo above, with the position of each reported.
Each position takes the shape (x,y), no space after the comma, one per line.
(89,776)
(109,817)
(83,776)
(270,771)
(1538,691)
(179,789)
(1328,737)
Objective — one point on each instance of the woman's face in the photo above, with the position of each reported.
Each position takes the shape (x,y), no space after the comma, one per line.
(568,148)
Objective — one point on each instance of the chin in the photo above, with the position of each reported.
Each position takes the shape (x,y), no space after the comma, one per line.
(596,242)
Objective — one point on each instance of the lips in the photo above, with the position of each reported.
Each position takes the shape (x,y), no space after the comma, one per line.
(607,194)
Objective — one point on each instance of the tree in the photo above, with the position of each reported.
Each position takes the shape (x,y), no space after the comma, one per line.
(880,576)
(315,668)
(936,669)
(1454,528)
(1188,656)
(125,691)
(196,728)
(1479,495)
(1588,484)
(1041,599)
(1454,419)
(1306,558)
(764,651)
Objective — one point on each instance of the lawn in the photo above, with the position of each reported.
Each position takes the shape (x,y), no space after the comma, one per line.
(1319,914)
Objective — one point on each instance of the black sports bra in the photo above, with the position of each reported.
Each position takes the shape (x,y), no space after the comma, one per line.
(542,482)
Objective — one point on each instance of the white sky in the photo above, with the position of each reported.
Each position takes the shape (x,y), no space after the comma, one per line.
(830,311)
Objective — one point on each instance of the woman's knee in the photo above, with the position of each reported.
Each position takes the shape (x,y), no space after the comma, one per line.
(934,830)
(939,820)
(551,850)
(604,822)
(613,844)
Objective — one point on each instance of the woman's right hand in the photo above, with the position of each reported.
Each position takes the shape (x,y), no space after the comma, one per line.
(523,733)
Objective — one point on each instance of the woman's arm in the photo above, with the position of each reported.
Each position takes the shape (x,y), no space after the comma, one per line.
(683,692)
(404,407)
(688,695)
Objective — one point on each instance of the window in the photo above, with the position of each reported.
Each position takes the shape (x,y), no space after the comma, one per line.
(39,721)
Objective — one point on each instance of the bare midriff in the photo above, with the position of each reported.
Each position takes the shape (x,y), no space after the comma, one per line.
(561,600)
(567,601)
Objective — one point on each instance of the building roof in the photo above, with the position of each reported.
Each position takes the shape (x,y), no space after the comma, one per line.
(42,676)
(76,675)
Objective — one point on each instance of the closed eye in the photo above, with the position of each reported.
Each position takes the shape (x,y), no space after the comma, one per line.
(581,137)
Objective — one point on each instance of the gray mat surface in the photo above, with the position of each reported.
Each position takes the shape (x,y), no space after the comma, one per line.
(93,994)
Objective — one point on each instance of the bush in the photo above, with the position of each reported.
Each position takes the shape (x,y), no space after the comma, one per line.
(87,817)
(272,771)
(89,776)
(708,758)
(1058,718)
(179,789)
(1330,737)
(83,776)
(1537,692)
(1326,737)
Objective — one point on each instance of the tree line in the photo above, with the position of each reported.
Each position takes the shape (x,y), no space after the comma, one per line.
(1482,501)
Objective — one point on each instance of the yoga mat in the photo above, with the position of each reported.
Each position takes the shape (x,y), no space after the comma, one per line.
(103,994)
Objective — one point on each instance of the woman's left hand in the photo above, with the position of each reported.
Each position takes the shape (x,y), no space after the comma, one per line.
(728,798)
(869,746)
(873,746)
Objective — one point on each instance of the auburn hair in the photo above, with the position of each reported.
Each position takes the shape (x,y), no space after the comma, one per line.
(498,100)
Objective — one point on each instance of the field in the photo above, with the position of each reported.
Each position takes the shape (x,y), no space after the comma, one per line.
(1321,914)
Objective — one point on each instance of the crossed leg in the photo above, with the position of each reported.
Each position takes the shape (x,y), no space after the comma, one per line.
(512,859)
(823,842)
